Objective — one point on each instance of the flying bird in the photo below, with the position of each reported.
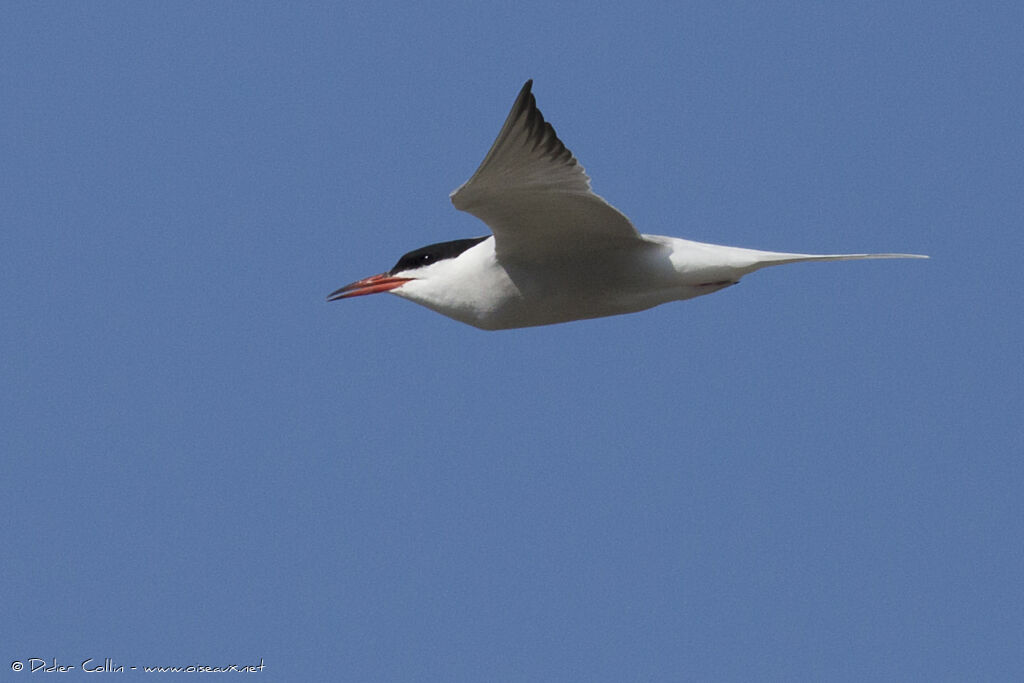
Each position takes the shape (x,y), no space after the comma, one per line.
(558,251)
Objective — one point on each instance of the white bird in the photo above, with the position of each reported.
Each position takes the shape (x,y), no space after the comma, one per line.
(559,252)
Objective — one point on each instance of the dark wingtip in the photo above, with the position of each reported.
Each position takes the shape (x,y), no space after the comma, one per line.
(524,100)
(541,133)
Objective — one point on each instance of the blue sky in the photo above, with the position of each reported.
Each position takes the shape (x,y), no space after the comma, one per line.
(814,475)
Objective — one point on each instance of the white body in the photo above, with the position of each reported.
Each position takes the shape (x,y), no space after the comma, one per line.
(492,294)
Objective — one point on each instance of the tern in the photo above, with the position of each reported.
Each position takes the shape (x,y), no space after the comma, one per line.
(558,252)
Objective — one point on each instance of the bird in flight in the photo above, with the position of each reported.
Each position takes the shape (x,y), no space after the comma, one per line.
(558,251)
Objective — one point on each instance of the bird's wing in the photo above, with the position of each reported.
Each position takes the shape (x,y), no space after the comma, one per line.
(533,194)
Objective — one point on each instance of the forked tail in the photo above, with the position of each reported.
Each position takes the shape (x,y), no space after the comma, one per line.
(767,258)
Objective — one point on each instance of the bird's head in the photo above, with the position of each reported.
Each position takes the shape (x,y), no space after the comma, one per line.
(421,264)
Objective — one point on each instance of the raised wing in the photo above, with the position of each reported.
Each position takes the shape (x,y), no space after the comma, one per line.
(533,194)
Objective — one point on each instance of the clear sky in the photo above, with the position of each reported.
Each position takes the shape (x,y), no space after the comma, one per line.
(816,474)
